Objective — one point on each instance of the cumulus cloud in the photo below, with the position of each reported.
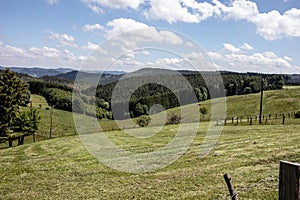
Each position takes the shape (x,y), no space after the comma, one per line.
(271,25)
(238,9)
(231,48)
(63,39)
(92,27)
(122,25)
(34,56)
(143,33)
(97,5)
(246,46)
(189,11)
(266,62)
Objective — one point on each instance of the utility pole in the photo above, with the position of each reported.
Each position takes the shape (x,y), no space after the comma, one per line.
(261,99)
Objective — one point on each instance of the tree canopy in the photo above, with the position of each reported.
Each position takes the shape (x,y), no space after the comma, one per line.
(13,93)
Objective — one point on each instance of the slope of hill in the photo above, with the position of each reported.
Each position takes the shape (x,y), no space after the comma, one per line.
(62,168)
(251,154)
(88,77)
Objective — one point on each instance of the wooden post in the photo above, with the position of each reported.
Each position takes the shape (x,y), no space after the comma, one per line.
(225,121)
(283,118)
(51,122)
(31,114)
(250,120)
(289,181)
(233,194)
(261,99)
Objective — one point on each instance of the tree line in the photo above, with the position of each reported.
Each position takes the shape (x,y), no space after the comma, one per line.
(59,93)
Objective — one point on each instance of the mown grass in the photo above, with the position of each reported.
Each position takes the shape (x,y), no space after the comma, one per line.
(62,168)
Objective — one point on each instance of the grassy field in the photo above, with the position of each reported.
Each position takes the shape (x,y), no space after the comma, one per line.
(61,168)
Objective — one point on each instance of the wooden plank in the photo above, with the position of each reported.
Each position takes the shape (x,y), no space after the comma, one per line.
(289,184)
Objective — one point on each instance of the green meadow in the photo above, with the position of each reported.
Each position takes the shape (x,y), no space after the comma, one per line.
(62,168)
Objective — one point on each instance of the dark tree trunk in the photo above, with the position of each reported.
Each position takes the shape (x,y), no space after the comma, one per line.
(10,142)
(21,140)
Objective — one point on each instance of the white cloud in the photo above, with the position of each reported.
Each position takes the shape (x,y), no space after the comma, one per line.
(90,46)
(97,5)
(238,9)
(94,47)
(270,25)
(273,25)
(122,25)
(231,48)
(92,27)
(266,62)
(143,32)
(189,11)
(52,2)
(246,46)
(63,39)
(287,58)
(34,56)
(95,8)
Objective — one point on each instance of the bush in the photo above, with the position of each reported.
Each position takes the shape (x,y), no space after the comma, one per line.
(174,119)
(143,120)
(297,114)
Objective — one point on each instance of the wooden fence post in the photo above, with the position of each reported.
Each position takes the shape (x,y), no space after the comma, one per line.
(289,181)
(283,118)
(233,194)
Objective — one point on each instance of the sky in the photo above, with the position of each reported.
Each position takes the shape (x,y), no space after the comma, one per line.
(124,35)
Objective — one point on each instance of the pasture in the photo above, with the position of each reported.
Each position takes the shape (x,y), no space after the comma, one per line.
(61,168)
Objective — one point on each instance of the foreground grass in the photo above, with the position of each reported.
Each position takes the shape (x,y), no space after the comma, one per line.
(62,168)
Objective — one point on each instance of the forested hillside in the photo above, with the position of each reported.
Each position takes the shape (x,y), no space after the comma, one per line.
(58,91)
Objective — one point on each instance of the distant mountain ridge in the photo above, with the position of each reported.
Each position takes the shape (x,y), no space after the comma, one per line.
(38,71)
(105,77)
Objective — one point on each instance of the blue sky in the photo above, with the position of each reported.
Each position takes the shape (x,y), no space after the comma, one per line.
(237,35)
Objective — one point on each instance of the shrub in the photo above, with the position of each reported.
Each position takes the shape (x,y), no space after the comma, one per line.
(297,114)
(174,119)
(143,120)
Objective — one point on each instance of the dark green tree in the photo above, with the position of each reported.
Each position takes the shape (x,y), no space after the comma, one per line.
(13,93)
(26,123)
(203,110)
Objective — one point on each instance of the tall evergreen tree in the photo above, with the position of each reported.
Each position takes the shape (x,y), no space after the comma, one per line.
(13,93)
